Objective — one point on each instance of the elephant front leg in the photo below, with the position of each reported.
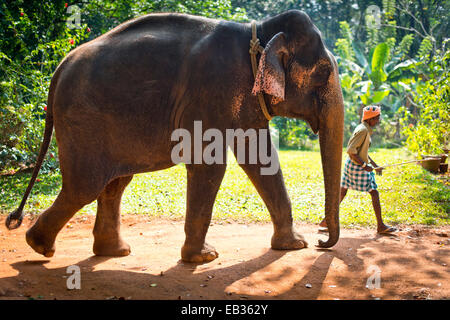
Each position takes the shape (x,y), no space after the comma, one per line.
(272,190)
(107,238)
(203,183)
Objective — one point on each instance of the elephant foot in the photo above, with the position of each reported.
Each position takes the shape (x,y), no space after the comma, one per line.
(40,242)
(115,247)
(288,241)
(206,254)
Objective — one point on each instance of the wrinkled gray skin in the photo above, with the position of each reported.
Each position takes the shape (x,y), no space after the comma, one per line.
(115,101)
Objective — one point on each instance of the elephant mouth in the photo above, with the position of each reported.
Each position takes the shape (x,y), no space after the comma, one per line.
(312,121)
(297,115)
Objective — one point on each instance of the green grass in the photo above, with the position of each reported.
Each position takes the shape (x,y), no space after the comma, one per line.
(409,195)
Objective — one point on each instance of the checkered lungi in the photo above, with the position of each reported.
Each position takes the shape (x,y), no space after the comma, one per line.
(356,178)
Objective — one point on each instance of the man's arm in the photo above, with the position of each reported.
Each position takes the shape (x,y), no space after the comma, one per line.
(372,162)
(355,157)
(379,171)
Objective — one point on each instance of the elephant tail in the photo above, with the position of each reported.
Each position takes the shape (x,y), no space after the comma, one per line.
(18,213)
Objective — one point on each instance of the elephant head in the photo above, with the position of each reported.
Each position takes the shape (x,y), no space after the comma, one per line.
(302,78)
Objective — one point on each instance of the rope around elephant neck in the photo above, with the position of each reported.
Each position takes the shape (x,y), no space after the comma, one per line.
(255,48)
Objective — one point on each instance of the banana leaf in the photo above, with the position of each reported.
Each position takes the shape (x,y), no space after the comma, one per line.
(403,70)
(359,54)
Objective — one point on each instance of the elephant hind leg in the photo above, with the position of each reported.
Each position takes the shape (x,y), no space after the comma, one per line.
(107,239)
(41,236)
(82,184)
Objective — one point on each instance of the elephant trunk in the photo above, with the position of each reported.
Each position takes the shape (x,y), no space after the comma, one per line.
(331,132)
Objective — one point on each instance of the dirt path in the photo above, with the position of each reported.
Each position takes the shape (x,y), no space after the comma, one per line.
(413,265)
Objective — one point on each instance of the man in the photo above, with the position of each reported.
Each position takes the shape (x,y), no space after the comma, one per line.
(358,172)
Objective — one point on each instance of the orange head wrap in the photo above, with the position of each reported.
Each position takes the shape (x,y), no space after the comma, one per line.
(370,112)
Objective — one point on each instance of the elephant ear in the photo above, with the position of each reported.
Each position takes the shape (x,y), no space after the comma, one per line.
(270,77)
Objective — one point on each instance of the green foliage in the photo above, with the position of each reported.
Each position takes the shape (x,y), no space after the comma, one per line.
(344,49)
(213,9)
(389,32)
(405,45)
(368,78)
(294,133)
(429,132)
(372,33)
(389,8)
(426,46)
(29,53)
(391,42)
(382,74)
(379,59)
(345,30)
(104,15)
(344,45)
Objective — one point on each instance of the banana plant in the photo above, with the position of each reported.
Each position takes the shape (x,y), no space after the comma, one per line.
(383,76)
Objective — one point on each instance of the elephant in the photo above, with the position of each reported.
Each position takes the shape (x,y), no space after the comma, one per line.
(114,102)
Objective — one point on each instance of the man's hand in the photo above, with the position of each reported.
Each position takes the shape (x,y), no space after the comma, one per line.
(379,171)
(374,165)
